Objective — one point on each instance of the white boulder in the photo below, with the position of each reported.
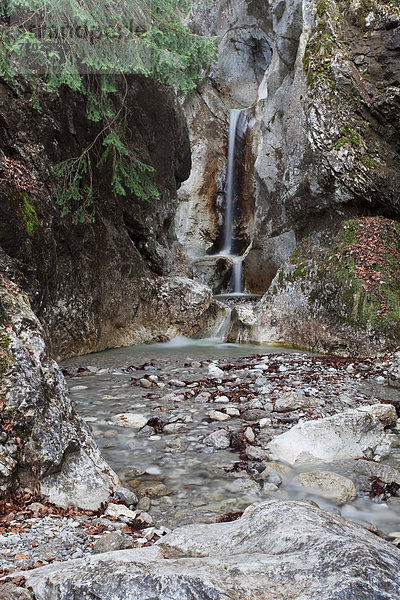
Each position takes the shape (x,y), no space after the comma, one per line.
(352,434)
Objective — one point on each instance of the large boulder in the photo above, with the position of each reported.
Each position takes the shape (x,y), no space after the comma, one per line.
(287,550)
(176,306)
(44,444)
(351,434)
(329,485)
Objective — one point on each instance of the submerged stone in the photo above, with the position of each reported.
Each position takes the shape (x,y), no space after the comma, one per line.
(329,485)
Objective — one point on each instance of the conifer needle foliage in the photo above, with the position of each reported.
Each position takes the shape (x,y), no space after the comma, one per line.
(89,46)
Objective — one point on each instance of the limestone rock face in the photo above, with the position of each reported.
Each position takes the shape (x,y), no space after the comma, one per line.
(45,443)
(290,549)
(324,136)
(244,48)
(244,52)
(178,306)
(243,324)
(346,435)
(336,294)
(328,125)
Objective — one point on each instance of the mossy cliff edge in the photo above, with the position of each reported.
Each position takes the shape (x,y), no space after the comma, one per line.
(338,294)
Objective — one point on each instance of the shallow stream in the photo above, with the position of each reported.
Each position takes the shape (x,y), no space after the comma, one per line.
(204,483)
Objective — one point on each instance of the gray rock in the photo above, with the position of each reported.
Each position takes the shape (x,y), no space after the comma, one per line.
(242,485)
(232,411)
(9,591)
(254,414)
(58,450)
(221,399)
(177,383)
(144,504)
(126,496)
(393,375)
(269,486)
(372,469)
(386,413)
(36,506)
(345,435)
(145,383)
(110,542)
(175,445)
(329,485)
(120,510)
(217,415)
(218,439)
(286,548)
(214,371)
(290,401)
(274,478)
(175,428)
(134,420)
(273,467)
(249,434)
(257,453)
(153,490)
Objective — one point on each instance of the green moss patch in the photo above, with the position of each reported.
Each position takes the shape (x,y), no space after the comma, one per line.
(30,216)
(5,359)
(353,279)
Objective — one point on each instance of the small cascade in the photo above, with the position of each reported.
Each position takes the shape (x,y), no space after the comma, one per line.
(222,330)
(236,281)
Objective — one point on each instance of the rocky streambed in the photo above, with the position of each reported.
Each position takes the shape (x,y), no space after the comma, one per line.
(191,431)
(199,432)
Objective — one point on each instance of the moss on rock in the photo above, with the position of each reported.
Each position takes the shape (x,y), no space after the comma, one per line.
(353,281)
(30,216)
(365,266)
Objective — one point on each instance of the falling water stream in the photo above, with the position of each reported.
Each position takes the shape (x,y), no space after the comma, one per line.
(236,281)
(229,186)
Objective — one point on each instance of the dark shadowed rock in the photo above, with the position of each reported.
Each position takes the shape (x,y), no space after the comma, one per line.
(97,285)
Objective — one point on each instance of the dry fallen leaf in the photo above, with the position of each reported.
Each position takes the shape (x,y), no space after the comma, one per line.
(21,556)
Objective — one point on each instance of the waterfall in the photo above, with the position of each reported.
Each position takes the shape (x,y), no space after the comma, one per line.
(235,284)
(230,184)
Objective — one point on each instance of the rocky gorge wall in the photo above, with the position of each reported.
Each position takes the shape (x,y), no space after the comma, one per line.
(324,101)
(97,285)
(44,445)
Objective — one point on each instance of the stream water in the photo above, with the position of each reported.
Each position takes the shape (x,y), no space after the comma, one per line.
(200,480)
